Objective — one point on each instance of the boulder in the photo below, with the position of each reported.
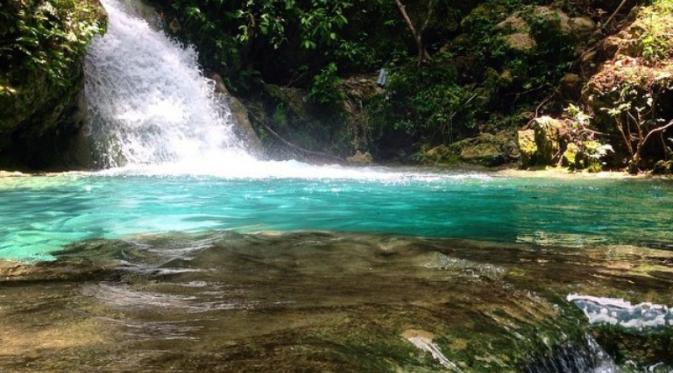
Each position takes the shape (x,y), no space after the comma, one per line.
(582,26)
(521,42)
(439,154)
(547,138)
(486,149)
(488,154)
(517,27)
(514,23)
(360,158)
(527,146)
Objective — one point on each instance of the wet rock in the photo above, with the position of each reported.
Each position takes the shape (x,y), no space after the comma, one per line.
(360,158)
(174,26)
(239,112)
(323,301)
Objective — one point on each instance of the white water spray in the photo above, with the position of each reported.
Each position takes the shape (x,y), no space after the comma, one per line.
(148,100)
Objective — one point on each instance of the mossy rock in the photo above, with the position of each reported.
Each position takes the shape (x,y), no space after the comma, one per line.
(547,138)
(527,146)
(486,149)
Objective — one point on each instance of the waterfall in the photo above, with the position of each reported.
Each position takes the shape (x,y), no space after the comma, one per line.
(148,101)
(152,112)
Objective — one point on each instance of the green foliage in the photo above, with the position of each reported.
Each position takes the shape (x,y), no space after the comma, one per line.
(657,26)
(583,150)
(44,37)
(423,104)
(288,42)
(326,88)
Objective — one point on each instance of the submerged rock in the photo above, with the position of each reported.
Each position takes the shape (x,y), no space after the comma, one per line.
(321,301)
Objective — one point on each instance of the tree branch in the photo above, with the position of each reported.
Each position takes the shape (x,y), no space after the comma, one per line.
(418,38)
(657,130)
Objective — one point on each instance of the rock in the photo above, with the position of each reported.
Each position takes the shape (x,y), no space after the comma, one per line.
(514,23)
(547,138)
(239,112)
(582,26)
(361,158)
(554,17)
(663,167)
(570,87)
(488,154)
(439,154)
(486,149)
(506,77)
(527,146)
(520,41)
(517,27)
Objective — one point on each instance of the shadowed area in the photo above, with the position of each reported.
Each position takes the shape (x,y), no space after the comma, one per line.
(320,301)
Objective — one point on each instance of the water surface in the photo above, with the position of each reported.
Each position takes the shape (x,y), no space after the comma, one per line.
(41,214)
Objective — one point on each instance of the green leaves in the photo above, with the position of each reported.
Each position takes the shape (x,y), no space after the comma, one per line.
(326,88)
(46,36)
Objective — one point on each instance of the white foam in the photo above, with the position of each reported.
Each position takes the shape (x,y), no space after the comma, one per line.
(616,311)
(148,101)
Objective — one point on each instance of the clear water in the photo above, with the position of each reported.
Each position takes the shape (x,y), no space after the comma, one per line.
(41,214)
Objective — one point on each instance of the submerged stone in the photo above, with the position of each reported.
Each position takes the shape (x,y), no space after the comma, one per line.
(318,301)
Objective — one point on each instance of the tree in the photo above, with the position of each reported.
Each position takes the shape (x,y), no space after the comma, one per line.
(637,124)
(417,33)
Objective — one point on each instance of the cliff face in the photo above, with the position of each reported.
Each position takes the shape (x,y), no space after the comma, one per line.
(41,78)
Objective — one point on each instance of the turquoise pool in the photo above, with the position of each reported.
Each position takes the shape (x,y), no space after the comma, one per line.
(41,214)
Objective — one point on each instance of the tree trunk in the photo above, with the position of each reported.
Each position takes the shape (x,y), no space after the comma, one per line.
(423,55)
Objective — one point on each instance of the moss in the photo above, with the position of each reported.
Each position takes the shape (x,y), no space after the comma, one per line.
(42,67)
(645,348)
(527,146)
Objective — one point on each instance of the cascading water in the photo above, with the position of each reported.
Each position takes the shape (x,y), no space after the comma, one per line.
(152,112)
(148,100)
